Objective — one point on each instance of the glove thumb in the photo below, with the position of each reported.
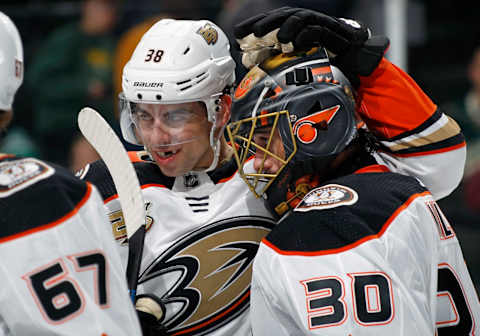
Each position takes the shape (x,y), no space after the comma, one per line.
(150,304)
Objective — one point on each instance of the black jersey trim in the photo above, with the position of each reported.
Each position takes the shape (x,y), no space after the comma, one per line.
(446,145)
(351,245)
(37,224)
(148,175)
(381,196)
(426,124)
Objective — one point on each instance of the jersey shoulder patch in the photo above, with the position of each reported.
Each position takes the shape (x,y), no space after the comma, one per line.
(344,212)
(16,175)
(327,197)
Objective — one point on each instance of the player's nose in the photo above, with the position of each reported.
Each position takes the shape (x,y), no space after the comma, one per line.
(270,164)
(160,134)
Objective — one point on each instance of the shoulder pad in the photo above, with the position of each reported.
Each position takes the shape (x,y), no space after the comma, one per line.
(34,193)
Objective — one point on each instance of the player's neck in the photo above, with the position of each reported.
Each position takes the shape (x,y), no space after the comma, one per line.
(226,152)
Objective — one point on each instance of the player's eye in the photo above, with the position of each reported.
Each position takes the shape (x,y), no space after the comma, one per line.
(143,116)
(261,139)
(176,117)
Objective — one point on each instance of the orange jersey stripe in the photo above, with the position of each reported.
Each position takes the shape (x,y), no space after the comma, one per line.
(4,156)
(373,169)
(434,151)
(142,187)
(134,157)
(391,102)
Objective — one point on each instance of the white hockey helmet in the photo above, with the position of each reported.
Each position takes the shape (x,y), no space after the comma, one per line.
(177,61)
(11,61)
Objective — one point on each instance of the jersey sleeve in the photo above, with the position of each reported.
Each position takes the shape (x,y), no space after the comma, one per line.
(417,138)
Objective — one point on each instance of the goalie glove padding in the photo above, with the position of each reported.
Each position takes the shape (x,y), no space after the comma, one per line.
(364,60)
(359,53)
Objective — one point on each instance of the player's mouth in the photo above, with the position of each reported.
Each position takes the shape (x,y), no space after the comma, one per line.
(167,154)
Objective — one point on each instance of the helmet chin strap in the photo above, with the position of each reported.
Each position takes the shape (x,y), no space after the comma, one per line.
(216,146)
(214,142)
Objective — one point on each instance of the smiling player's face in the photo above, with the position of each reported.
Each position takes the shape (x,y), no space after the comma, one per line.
(176,135)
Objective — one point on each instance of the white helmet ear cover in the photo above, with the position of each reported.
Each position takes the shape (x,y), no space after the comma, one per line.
(11,61)
(127,125)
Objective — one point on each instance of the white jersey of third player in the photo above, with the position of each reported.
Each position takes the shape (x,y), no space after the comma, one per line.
(365,254)
(61,272)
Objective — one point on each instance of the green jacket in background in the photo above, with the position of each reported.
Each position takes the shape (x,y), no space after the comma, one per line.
(59,76)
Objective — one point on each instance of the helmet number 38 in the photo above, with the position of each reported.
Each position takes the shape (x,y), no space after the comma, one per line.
(154,55)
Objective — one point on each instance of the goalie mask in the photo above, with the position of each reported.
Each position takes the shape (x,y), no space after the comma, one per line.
(11,62)
(176,63)
(307,101)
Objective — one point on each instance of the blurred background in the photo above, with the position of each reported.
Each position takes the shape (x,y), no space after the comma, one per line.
(75,51)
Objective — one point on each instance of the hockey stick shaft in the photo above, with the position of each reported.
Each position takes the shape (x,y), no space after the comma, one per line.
(101,136)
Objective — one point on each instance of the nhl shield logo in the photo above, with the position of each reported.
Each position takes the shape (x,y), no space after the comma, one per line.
(209,33)
(326,197)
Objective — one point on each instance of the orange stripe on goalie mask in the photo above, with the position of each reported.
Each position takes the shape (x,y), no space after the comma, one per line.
(304,128)
(244,87)
(264,121)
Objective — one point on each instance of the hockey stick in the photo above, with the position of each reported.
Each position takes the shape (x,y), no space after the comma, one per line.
(101,136)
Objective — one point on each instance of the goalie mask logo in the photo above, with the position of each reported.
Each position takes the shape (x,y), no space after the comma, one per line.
(306,128)
(204,278)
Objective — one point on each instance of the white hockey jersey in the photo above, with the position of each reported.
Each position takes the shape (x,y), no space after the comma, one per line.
(203,230)
(61,272)
(365,254)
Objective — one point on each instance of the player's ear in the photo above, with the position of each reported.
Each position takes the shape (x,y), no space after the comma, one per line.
(225,108)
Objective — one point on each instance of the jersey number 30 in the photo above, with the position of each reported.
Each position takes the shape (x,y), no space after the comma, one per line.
(372,298)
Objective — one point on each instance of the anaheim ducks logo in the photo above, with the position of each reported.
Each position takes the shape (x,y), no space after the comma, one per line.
(209,33)
(327,197)
(204,278)
(306,128)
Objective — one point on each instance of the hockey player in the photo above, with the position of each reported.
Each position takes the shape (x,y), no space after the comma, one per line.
(198,251)
(204,225)
(360,249)
(61,273)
